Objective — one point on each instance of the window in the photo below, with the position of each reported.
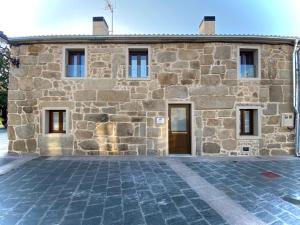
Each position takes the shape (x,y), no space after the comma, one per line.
(57,121)
(248,122)
(249,65)
(75,63)
(138,63)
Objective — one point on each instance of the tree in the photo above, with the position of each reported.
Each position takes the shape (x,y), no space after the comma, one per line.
(4,73)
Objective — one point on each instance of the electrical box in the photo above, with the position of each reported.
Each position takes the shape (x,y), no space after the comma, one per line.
(287,120)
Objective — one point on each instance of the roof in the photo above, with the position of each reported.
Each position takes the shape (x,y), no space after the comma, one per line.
(154,38)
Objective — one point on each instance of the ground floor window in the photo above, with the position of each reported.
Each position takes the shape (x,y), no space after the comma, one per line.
(55,121)
(248,122)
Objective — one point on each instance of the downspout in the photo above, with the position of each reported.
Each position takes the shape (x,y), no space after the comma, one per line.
(296,97)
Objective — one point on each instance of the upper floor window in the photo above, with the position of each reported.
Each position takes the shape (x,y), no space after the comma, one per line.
(75,63)
(138,63)
(249,63)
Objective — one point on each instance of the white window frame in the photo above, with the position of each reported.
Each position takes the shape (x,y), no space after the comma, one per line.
(253,48)
(238,122)
(44,121)
(127,61)
(64,60)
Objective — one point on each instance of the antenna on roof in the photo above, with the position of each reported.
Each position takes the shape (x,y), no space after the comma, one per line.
(111,7)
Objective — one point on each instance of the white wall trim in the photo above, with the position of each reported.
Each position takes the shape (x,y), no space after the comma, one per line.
(250,47)
(63,63)
(128,47)
(259,116)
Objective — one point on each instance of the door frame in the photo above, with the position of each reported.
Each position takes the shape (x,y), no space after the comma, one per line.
(192,124)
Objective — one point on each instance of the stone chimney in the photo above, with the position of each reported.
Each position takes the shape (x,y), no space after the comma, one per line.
(100,26)
(207,26)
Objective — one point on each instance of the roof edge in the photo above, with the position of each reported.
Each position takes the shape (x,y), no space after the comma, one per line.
(153,38)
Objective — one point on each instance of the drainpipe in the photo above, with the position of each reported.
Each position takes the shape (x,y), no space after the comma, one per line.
(296,97)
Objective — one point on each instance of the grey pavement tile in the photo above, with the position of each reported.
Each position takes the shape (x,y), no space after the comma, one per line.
(92,221)
(242,181)
(133,218)
(190,214)
(149,207)
(154,219)
(168,210)
(96,192)
(93,211)
(180,200)
(266,217)
(112,215)
(113,201)
(177,221)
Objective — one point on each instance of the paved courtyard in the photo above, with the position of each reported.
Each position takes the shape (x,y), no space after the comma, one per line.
(273,199)
(133,191)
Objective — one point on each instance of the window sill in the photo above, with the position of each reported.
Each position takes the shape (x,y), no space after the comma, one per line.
(137,79)
(56,135)
(248,137)
(249,79)
(74,78)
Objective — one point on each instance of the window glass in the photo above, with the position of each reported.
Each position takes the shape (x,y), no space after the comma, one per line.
(55,121)
(76,63)
(138,63)
(178,119)
(248,68)
(144,68)
(247,121)
(134,66)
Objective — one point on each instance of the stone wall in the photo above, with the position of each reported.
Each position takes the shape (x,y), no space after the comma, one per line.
(112,115)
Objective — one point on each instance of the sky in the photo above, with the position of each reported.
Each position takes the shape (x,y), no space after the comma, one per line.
(44,17)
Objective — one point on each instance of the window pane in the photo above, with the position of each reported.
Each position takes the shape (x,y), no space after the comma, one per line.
(133,71)
(82,63)
(248,69)
(138,63)
(178,119)
(64,120)
(144,68)
(55,121)
(76,62)
(247,125)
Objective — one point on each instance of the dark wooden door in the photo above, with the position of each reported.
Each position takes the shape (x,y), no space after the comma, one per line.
(179,129)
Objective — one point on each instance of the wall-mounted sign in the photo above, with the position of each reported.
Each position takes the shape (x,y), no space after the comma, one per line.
(160,120)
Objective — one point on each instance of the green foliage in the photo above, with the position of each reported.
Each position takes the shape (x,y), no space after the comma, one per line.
(4,67)
(4,73)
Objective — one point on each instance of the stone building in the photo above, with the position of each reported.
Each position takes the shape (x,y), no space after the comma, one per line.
(102,94)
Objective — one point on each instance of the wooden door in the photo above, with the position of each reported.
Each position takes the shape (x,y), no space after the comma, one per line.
(179,129)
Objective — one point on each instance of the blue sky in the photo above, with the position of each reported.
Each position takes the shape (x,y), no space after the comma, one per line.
(39,17)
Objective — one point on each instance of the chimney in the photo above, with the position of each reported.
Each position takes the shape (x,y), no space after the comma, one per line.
(207,25)
(100,26)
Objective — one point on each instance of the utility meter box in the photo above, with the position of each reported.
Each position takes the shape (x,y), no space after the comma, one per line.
(287,120)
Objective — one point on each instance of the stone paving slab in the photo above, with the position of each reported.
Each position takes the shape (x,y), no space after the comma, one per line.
(262,196)
(100,192)
(218,200)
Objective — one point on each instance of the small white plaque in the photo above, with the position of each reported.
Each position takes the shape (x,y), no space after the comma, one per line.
(160,120)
